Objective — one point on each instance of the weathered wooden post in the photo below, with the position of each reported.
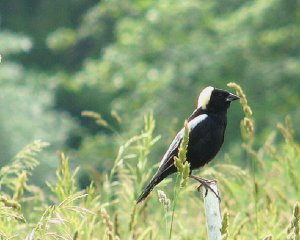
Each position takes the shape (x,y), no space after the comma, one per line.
(212,212)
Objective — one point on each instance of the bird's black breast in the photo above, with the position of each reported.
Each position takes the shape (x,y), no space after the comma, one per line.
(206,140)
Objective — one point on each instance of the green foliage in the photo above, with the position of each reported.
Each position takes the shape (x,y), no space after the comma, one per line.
(108,210)
(100,55)
(14,176)
(121,60)
(25,106)
(61,39)
(294,228)
(158,54)
(183,167)
(66,181)
(224,229)
(14,43)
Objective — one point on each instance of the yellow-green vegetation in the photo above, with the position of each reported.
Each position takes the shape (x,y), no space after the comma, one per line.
(183,167)
(257,203)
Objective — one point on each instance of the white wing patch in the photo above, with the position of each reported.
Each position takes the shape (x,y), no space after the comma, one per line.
(175,143)
(204,97)
(194,122)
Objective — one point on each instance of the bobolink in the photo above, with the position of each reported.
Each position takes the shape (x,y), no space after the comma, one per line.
(207,126)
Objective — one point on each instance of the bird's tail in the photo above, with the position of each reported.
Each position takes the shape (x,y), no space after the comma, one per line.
(154,181)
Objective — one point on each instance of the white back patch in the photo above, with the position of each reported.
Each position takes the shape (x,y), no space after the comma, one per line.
(204,97)
(194,122)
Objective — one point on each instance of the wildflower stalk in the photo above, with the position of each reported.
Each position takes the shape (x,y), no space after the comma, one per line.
(176,192)
(166,203)
(287,132)
(109,232)
(183,169)
(293,230)
(268,237)
(247,123)
(224,229)
(247,126)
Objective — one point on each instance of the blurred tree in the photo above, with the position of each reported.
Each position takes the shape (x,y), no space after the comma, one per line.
(25,105)
(139,56)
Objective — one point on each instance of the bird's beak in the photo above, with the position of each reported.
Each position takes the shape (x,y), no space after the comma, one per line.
(231,97)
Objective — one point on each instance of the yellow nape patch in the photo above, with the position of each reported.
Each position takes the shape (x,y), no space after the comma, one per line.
(204,97)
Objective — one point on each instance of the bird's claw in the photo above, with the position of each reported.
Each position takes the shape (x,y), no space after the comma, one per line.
(205,183)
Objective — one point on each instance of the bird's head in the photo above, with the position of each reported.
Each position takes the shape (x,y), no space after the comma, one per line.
(214,99)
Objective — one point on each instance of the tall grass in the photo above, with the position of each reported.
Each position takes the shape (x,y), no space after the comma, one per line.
(183,170)
(264,207)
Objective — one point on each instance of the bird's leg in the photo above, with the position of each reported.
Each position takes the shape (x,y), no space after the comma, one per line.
(205,183)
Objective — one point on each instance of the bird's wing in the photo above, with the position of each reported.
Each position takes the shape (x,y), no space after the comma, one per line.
(166,166)
(172,151)
(173,148)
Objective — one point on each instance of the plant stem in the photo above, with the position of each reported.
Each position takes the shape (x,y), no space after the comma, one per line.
(176,193)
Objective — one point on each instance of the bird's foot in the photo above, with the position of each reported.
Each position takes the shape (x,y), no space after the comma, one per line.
(206,184)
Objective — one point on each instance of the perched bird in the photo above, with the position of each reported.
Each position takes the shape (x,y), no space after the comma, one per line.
(207,126)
